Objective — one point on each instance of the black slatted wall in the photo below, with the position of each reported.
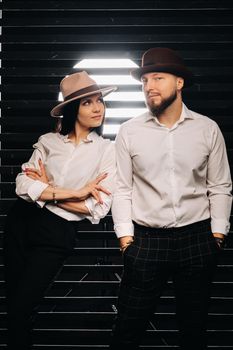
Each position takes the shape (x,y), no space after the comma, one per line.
(42,40)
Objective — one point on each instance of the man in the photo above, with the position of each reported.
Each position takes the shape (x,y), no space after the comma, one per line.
(171,207)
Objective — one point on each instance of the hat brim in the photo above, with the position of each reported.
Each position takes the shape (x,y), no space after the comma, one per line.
(178,70)
(57,110)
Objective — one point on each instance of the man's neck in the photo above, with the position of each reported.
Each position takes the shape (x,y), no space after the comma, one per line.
(171,114)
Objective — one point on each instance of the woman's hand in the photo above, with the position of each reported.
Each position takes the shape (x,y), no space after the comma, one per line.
(93,188)
(36,174)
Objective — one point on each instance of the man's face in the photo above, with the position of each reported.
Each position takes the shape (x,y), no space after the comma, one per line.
(160,90)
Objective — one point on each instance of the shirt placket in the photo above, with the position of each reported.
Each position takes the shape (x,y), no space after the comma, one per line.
(172,174)
(66,166)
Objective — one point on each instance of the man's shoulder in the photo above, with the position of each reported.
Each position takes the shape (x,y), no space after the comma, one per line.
(140,119)
(202,118)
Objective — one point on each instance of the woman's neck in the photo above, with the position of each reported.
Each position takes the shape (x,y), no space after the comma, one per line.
(79,134)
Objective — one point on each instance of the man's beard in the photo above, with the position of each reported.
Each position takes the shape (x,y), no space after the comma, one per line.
(159,109)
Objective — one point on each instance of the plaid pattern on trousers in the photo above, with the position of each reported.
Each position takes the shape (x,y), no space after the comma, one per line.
(188,255)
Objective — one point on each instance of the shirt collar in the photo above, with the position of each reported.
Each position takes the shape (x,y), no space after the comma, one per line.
(91,137)
(185,114)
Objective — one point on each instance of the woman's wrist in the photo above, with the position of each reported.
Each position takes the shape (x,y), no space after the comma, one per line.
(78,195)
(55,201)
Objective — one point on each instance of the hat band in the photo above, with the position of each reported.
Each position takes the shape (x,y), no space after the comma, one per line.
(81,92)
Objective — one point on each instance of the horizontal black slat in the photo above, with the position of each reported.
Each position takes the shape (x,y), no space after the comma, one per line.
(155,337)
(120,16)
(51,57)
(132,5)
(117,45)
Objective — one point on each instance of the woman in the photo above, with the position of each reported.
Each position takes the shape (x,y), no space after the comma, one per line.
(69,177)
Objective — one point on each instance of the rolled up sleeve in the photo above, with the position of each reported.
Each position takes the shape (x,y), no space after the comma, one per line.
(27,188)
(107,165)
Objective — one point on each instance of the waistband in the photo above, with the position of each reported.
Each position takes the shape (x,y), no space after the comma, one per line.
(196,226)
(30,209)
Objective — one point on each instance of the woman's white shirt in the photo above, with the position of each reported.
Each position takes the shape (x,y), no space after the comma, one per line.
(71,166)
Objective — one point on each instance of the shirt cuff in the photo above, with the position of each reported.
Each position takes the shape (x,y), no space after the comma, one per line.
(124,229)
(40,204)
(98,211)
(36,189)
(220,226)
(90,204)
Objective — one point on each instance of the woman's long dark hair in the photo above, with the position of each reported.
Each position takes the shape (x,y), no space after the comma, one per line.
(66,124)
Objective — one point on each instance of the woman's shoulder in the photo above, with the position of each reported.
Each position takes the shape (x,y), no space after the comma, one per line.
(49,136)
(107,148)
(46,139)
(106,143)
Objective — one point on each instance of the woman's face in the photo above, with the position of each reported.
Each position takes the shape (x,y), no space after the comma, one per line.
(91,112)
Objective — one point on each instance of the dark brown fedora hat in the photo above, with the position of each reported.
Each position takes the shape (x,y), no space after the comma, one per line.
(77,86)
(164,60)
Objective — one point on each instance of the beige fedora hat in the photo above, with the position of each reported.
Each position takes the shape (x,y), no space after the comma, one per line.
(77,86)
